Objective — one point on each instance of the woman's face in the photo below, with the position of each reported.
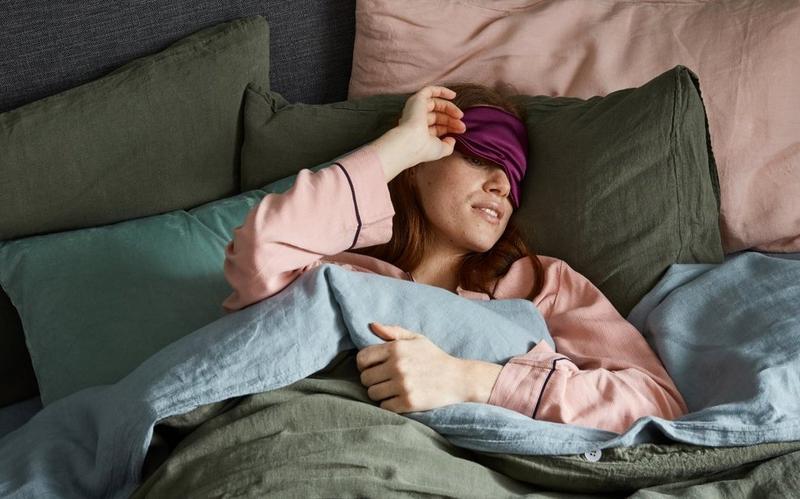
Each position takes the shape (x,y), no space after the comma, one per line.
(453,189)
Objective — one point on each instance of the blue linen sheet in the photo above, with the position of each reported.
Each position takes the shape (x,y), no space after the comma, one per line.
(728,334)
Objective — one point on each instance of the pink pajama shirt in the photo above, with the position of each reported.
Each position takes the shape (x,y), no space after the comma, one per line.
(603,374)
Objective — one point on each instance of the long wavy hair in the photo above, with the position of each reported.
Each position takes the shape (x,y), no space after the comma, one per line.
(411,232)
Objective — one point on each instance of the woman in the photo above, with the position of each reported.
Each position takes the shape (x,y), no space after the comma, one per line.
(453,166)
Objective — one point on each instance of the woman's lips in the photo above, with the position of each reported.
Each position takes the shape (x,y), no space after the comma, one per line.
(487,217)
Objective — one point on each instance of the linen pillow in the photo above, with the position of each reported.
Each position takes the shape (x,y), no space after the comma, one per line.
(623,186)
(285,138)
(620,187)
(160,133)
(745,53)
(97,302)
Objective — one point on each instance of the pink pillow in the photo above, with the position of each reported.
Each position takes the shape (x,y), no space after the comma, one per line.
(745,53)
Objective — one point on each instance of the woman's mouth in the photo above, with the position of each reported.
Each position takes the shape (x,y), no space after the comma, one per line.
(488,214)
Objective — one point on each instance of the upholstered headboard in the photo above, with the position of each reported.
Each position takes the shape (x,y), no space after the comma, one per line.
(48,48)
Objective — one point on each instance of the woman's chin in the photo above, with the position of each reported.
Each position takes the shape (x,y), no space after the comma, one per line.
(482,246)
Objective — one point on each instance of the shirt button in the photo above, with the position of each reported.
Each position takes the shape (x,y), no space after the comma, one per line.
(593,456)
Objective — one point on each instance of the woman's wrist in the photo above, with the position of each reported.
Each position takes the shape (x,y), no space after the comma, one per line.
(479,378)
(392,149)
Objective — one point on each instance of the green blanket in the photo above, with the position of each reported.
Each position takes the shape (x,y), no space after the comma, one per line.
(322,436)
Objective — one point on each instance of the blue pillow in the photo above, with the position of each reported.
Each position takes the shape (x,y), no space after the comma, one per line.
(97,302)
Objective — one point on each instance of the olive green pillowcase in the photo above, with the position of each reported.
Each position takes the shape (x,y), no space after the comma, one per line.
(160,133)
(619,186)
(282,138)
(623,186)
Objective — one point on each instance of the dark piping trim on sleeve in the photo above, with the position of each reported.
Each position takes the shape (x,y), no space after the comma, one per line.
(541,392)
(355,204)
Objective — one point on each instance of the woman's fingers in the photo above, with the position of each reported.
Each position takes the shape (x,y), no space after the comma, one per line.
(439,130)
(440,124)
(376,374)
(444,119)
(426,103)
(437,91)
(431,105)
(395,404)
(372,355)
(382,390)
(446,107)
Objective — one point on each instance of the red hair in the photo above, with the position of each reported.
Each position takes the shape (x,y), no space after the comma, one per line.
(411,233)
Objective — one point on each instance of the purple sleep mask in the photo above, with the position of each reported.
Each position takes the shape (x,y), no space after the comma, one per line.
(498,136)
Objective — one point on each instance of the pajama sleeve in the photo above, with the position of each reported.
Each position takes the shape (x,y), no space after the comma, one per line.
(340,207)
(603,374)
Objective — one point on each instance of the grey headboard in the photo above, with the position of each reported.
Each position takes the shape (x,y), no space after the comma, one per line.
(48,47)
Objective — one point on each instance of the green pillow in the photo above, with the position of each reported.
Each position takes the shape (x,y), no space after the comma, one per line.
(623,186)
(96,302)
(285,138)
(620,187)
(160,133)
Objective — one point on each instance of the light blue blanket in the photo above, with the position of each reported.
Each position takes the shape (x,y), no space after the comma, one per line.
(728,334)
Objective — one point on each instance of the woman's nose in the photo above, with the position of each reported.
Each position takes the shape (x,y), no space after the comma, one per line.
(499,183)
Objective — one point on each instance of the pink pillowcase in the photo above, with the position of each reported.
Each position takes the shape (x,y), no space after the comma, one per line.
(746,54)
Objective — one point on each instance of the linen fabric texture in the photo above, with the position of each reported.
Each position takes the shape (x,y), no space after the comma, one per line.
(323,313)
(282,138)
(415,458)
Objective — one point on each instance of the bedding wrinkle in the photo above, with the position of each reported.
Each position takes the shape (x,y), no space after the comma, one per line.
(755,403)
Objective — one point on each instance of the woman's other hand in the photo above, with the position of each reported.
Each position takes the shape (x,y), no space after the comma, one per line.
(409,373)
(427,115)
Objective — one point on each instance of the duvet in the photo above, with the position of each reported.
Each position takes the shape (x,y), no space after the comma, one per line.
(234,396)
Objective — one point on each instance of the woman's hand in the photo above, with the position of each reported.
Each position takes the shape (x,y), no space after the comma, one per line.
(409,373)
(427,115)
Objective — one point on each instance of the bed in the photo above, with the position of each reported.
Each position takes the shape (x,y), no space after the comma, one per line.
(135,139)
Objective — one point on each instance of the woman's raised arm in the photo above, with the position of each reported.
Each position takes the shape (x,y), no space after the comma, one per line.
(344,206)
(338,208)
